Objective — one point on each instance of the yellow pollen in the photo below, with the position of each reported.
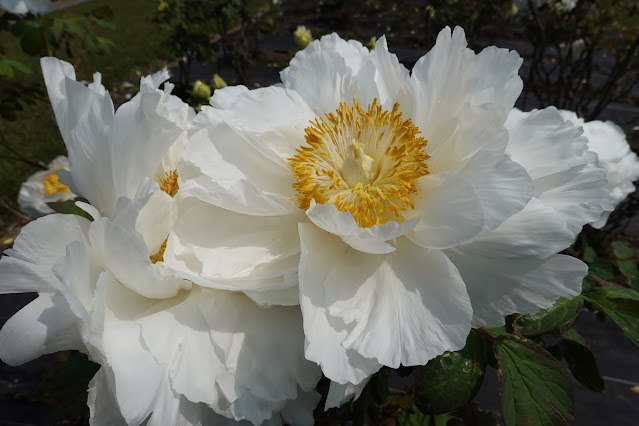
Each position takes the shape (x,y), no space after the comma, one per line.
(169,183)
(363,161)
(159,256)
(52,185)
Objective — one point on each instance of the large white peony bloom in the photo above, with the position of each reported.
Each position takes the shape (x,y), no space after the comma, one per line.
(410,209)
(608,141)
(171,352)
(44,187)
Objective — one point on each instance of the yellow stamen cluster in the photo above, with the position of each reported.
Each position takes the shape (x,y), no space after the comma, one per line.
(363,161)
(168,184)
(52,185)
(159,256)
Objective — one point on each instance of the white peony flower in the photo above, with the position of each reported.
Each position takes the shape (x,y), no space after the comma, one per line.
(22,7)
(44,187)
(104,162)
(609,142)
(393,194)
(171,352)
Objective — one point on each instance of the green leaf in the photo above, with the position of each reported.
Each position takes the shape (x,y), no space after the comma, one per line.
(581,361)
(621,305)
(69,207)
(589,254)
(563,313)
(496,331)
(534,388)
(622,251)
(452,379)
(15,65)
(629,270)
(602,270)
(413,417)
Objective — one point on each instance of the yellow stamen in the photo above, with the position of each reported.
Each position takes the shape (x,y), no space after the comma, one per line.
(159,256)
(52,185)
(169,183)
(363,161)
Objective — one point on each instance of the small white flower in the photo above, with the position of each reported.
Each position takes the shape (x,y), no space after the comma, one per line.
(21,7)
(608,141)
(44,187)
(402,199)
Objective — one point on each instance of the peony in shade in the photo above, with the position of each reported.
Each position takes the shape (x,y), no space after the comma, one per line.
(44,187)
(608,141)
(406,201)
(170,351)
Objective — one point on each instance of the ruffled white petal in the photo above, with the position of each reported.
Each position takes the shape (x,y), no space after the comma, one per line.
(44,326)
(498,77)
(450,209)
(368,240)
(608,141)
(498,286)
(339,394)
(326,73)
(325,334)
(211,245)
(392,80)
(223,169)
(443,82)
(27,266)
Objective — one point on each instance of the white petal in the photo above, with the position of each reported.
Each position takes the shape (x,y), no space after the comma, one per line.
(272,120)
(368,240)
(85,117)
(217,245)
(392,79)
(44,326)
(103,406)
(498,286)
(263,347)
(223,169)
(27,266)
(325,73)
(324,335)
(339,394)
(565,175)
(502,185)
(408,306)
(499,80)
(443,80)
(287,296)
(450,208)
(140,138)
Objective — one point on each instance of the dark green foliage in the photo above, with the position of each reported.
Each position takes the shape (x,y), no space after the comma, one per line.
(534,388)
(451,380)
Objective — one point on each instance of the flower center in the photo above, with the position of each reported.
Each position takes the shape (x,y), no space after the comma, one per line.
(52,185)
(168,184)
(363,161)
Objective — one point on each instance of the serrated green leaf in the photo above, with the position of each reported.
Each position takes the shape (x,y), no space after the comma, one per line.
(582,363)
(452,379)
(572,334)
(534,388)
(563,313)
(621,305)
(630,270)
(602,270)
(496,331)
(622,251)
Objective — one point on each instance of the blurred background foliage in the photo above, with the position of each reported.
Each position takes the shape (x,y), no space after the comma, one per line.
(581,55)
